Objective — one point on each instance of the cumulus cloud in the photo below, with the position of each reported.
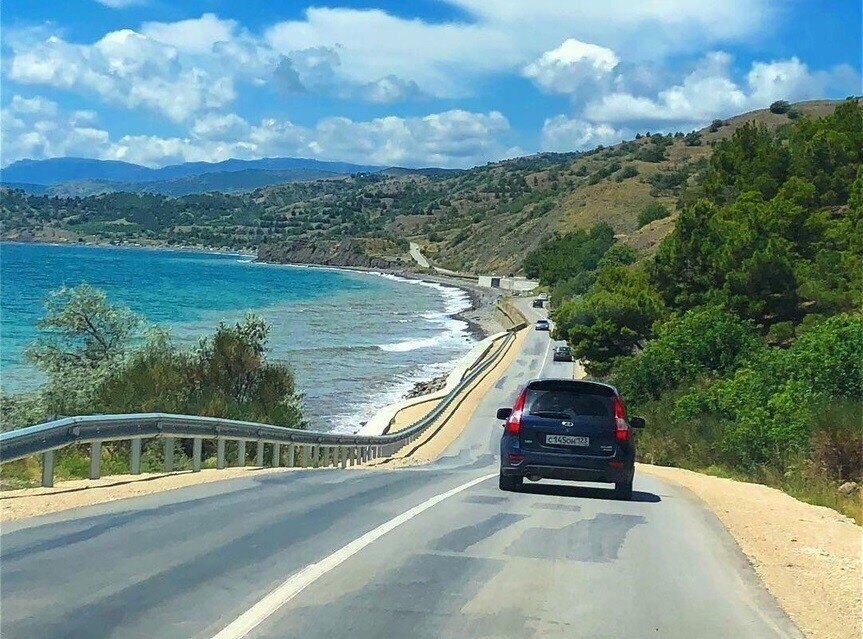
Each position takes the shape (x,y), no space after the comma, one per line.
(562,133)
(710,91)
(119,4)
(390,89)
(127,68)
(198,35)
(572,66)
(36,128)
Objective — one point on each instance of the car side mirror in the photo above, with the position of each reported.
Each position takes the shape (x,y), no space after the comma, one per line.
(504,413)
(636,422)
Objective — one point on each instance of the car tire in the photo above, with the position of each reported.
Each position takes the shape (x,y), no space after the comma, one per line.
(623,490)
(510,483)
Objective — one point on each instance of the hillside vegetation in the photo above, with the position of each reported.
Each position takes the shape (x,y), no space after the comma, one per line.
(741,339)
(485,219)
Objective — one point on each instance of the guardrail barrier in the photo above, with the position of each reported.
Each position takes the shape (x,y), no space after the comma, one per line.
(304,448)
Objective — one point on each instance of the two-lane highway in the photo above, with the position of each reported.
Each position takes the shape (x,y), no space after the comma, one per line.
(433,551)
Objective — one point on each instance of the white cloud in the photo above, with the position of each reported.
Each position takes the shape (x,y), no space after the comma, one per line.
(710,91)
(198,35)
(572,66)
(561,133)
(445,58)
(36,128)
(390,89)
(127,68)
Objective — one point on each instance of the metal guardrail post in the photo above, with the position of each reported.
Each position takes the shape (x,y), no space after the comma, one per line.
(135,461)
(289,462)
(48,469)
(220,453)
(197,445)
(277,451)
(169,454)
(313,457)
(241,453)
(304,459)
(259,455)
(352,455)
(343,457)
(95,459)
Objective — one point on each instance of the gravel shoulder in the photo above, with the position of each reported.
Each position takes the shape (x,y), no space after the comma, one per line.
(809,557)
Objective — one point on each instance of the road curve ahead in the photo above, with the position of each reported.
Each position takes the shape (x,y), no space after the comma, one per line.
(434,551)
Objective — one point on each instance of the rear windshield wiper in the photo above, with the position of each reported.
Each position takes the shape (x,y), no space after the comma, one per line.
(550,413)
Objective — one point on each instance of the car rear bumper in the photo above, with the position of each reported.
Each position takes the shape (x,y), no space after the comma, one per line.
(569,473)
(619,467)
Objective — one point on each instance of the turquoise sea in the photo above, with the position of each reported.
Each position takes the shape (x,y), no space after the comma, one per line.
(355,340)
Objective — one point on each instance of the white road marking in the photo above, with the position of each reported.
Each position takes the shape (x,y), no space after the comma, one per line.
(297,582)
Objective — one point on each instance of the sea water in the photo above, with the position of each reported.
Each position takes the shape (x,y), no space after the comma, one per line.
(355,340)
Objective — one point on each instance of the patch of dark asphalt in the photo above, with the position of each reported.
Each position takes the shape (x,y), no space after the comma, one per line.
(460,539)
(596,540)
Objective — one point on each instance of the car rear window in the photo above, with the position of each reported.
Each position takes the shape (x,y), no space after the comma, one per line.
(569,399)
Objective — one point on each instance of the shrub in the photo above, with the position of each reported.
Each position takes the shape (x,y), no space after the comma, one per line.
(628,171)
(651,212)
(703,341)
(780,107)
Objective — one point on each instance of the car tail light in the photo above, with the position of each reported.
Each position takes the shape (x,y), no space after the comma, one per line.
(513,424)
(621,428)
(515,457)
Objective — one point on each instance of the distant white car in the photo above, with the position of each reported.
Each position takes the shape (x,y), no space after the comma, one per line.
(542,325)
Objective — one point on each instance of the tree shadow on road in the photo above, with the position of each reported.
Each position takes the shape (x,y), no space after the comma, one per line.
(586,492)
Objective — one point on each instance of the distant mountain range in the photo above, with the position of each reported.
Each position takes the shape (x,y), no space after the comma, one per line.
(79,177)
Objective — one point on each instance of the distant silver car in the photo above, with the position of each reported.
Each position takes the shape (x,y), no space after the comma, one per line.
(542,325)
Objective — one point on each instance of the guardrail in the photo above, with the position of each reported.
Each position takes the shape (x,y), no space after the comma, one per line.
(305,448)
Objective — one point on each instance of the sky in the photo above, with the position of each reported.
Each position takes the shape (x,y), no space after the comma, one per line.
(451,83)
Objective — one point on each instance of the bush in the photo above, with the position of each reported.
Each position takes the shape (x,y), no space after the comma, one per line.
(692,138)
(651,212)
(780,107)
(704,341)
(626,172)
(716,125)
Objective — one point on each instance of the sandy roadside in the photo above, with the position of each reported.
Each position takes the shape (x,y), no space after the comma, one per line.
(809,557)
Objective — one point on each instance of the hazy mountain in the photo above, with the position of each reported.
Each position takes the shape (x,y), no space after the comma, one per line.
(59,170)
(224,182)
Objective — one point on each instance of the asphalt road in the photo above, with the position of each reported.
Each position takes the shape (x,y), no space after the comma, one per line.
(375,554)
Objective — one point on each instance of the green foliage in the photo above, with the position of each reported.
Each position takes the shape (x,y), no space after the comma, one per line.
(780,107)
(768,405)
(706,341)
(651,212)
(616,314)
(626,172)
(566,256)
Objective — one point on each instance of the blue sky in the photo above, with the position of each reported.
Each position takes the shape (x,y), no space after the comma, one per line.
(427,82)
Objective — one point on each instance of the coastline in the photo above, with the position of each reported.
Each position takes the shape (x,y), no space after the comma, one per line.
(475,305)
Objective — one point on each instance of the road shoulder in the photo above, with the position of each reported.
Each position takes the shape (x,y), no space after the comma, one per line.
(809,557)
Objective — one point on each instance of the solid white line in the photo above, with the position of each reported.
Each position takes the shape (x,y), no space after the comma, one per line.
(297,582)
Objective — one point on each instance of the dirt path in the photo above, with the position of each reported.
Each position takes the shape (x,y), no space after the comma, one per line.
(809,557)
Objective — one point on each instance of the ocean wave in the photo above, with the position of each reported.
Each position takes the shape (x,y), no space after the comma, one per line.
(351,422)
(413,344)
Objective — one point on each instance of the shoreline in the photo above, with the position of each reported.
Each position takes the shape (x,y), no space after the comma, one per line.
(478,316)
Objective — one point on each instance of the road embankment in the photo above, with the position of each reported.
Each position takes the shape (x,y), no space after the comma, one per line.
(809,557)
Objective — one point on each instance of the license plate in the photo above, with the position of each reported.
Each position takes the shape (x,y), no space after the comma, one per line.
(567,440)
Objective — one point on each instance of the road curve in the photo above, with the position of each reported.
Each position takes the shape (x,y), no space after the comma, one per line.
(433,551)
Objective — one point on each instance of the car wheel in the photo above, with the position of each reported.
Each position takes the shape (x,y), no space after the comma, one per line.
(510,482)
(623,489)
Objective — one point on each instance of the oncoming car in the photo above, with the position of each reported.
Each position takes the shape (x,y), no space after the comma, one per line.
(571,430)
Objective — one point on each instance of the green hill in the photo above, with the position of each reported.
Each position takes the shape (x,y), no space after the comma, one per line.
(484,219)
